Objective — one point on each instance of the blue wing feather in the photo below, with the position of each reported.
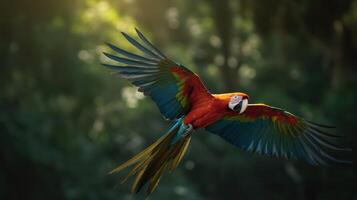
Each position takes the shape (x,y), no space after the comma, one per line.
(141,47)
(266,136)
(152,74)
(129,61)
(130,55)
(148,43)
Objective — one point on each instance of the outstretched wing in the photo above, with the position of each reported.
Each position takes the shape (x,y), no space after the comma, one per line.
(272,131)
(170,85)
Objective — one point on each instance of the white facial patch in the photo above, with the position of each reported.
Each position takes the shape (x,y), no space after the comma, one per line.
(234,101)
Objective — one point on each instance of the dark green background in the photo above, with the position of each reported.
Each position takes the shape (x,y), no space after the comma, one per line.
(65,121)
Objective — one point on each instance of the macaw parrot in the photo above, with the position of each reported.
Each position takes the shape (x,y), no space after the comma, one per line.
(183,98)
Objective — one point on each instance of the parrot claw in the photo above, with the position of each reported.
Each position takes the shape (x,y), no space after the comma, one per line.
(188,130)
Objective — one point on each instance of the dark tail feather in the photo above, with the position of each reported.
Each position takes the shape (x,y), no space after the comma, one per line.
(154,160)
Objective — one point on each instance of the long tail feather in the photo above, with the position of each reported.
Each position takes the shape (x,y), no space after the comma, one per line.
(144,153)
(151,163)
(181,153)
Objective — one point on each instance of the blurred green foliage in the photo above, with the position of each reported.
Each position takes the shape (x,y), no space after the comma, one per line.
(65,121)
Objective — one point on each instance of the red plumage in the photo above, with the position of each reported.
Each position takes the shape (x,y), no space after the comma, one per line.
(182,97)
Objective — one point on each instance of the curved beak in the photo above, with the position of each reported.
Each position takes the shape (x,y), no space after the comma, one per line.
(232,105)
(244,106)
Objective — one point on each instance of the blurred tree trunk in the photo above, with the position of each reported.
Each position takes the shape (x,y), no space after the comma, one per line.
(222,16)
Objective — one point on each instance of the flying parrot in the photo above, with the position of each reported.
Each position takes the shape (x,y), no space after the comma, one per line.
(183,98)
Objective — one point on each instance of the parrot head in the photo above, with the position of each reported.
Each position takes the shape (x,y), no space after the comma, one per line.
(238,103)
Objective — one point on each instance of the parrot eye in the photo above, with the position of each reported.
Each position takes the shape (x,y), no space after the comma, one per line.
(238,104)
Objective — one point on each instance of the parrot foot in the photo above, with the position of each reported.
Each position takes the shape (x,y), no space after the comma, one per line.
(190,127)
(188,130)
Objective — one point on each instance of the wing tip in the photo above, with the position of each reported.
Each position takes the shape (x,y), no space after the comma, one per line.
(108,44)
(321,125)
(126,35)
(112,46)
(107,54)
(137,30)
